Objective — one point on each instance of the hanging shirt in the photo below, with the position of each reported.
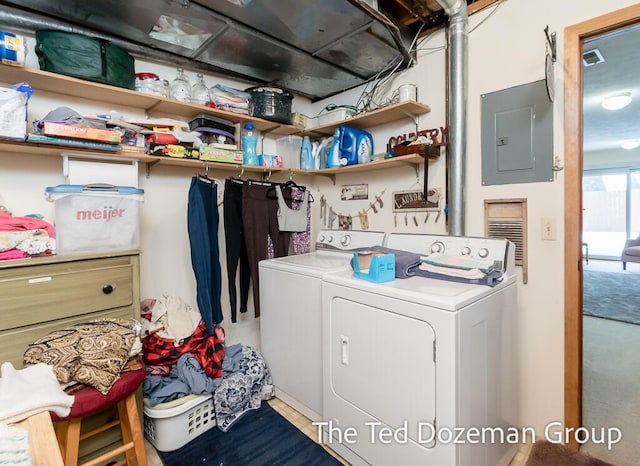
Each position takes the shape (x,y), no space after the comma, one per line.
(289,219)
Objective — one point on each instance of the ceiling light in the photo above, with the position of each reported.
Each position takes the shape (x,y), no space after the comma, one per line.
(617,101)
(630,144)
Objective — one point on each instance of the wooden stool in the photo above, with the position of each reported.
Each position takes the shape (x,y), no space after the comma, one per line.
(90,401)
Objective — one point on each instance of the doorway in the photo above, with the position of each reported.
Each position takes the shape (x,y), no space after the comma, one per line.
(573,152)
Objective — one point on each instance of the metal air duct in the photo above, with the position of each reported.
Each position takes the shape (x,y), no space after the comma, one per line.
(28,22)
(458,36)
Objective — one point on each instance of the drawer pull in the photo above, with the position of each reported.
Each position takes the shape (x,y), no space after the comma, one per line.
(40,280)
(107,289)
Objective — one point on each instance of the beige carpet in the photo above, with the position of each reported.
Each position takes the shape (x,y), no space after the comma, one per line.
(611,387)
(550,454)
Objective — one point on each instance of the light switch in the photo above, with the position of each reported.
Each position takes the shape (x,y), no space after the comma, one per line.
(549,229)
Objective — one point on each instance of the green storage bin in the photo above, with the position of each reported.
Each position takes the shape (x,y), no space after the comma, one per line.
(85,57)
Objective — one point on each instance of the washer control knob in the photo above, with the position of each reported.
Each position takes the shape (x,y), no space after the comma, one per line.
(321,239)
(466,251)
(437,247)
(346,239)
(484,252)
(330,239)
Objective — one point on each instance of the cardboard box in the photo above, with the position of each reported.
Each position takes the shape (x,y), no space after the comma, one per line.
(172,150)
(299,120)
(81,132)
(12,49)
(218,154)
(274,161)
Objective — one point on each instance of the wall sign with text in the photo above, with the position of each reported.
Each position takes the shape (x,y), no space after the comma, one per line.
(414,200)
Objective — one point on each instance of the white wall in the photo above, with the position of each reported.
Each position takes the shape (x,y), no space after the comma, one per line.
(506,50)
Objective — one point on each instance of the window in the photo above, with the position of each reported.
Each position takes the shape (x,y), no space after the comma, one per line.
(611,212)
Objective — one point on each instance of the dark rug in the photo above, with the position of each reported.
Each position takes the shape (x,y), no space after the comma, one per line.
(259,438)
(552,454)
(612,295)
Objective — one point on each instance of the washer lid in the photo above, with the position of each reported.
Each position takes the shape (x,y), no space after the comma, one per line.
(440,294)
(321,263)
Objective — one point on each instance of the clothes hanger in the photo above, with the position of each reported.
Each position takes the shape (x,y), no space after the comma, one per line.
(271,192)
(292,184)
(287,184)
(205,177)
(238,180)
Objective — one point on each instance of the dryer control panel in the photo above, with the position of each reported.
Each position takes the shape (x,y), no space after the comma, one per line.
(500,251)
(348,241)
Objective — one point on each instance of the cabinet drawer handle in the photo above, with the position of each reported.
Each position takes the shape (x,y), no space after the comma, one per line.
(107,289)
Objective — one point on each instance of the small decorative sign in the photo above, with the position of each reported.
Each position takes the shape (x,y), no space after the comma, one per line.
(353,192)
(414,200)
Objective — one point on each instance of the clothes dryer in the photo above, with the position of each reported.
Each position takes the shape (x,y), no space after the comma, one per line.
(291,314)
(412,363)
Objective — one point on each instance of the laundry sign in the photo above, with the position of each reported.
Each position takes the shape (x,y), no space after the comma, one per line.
(414,200)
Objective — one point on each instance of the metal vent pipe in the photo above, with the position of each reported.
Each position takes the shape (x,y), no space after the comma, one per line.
(458,37)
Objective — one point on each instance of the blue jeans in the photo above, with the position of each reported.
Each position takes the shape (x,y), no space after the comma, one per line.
(202,224)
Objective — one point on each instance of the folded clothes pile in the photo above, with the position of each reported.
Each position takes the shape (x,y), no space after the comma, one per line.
(457,266)
(228,98)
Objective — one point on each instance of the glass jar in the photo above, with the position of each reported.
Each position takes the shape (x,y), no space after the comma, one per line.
(180,89)
(200,91)
(146,82)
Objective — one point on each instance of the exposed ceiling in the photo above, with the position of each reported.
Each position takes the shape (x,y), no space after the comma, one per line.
(313,48)
(619,72)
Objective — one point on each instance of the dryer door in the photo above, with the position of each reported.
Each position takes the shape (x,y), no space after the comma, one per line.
(381,366)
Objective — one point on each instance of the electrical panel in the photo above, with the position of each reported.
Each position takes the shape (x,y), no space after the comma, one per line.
(517,135)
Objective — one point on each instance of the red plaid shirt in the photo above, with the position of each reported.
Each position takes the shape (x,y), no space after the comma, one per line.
(207,349)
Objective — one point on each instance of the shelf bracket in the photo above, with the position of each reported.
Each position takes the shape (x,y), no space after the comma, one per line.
(415,166)
(331,176)
(412,117)
(148,167)
(268,130)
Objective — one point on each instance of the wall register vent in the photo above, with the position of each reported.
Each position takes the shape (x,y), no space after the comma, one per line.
(507,218)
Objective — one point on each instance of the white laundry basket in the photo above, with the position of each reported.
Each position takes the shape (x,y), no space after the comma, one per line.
(171,428)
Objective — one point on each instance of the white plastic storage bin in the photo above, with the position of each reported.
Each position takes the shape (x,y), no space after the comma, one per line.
(288,147)
(171,428)
(96,218)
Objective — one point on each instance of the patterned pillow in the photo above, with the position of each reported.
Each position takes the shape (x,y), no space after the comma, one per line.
(92,353)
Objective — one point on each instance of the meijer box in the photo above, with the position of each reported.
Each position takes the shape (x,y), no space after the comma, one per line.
(96,218)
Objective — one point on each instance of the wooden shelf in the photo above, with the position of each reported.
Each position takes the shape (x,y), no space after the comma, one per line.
(151,160)
(383,164)
(66,85)
(395,112)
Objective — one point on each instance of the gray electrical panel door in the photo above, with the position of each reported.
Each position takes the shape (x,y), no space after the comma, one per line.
(517,135)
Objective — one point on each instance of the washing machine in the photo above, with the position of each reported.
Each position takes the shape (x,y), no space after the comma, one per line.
(291,314)
(421,371)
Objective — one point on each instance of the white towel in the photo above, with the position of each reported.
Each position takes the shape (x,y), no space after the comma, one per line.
(14,446)
(29,391)
(450,271)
